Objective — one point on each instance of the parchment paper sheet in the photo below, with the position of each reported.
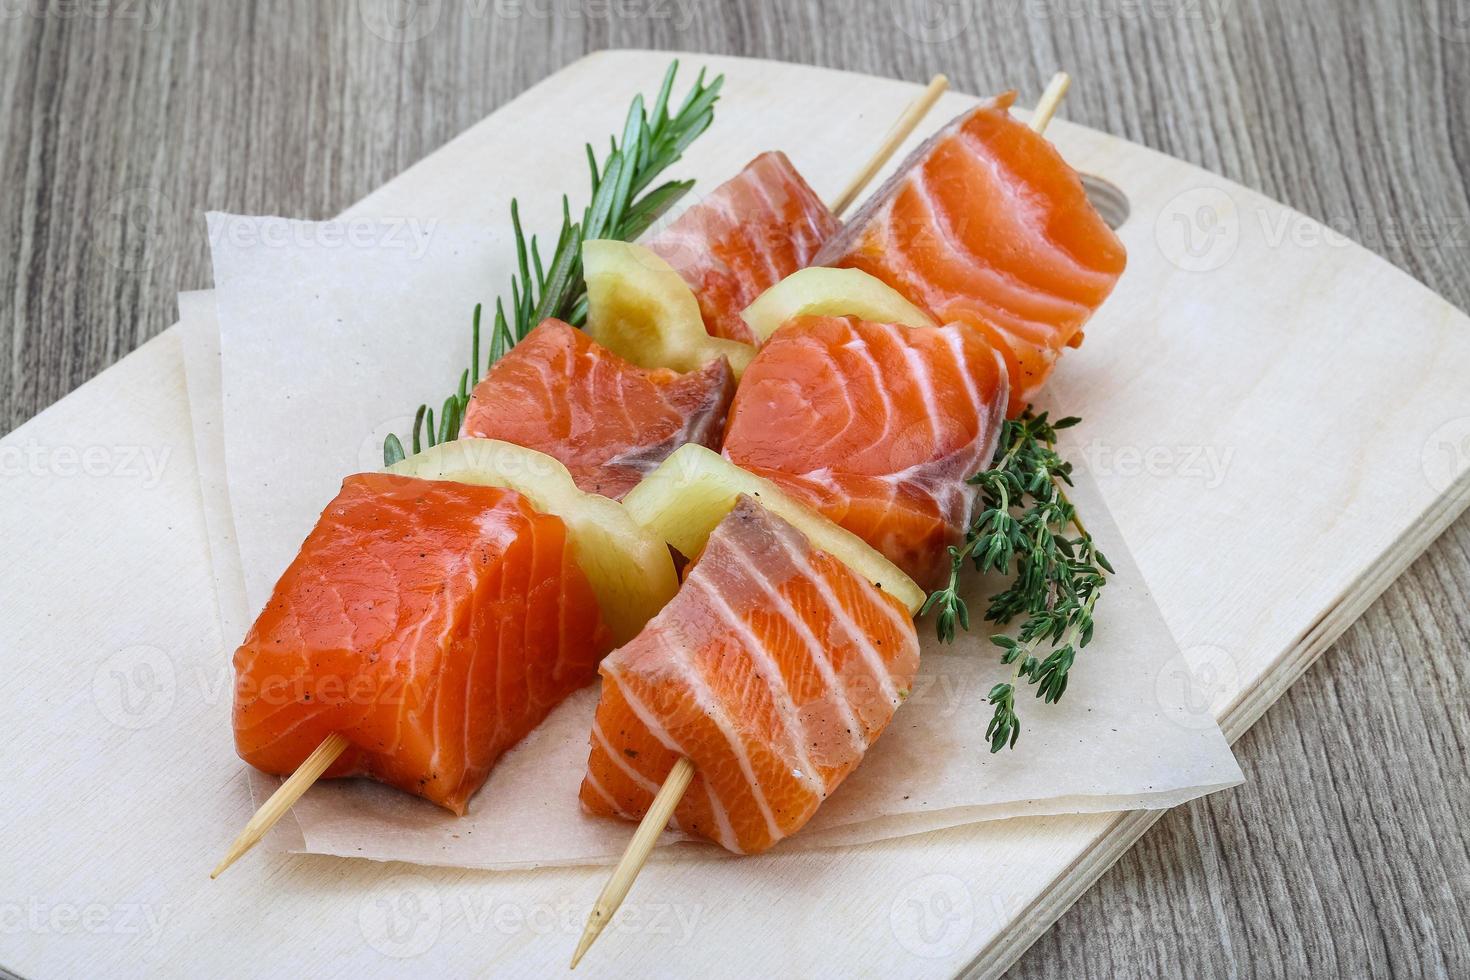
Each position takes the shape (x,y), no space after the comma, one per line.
(318,349)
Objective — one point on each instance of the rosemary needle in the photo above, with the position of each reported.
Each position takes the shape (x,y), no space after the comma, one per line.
(621,207)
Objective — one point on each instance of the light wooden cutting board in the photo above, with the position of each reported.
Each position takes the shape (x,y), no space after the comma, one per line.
(1278,420)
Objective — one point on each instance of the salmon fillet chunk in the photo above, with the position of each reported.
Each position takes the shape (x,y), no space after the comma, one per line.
(895,419)
(607,420)
(987,225)
(431,624)
(751,232)
(773,670)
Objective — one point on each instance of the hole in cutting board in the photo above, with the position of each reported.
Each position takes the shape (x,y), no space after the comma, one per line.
(1109,200)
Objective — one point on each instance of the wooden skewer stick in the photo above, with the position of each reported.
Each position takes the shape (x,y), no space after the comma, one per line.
(677,782)
(1056,89)
(283,799)
(653,823)
(900,132)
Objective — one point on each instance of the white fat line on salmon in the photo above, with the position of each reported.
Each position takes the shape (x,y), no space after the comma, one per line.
(796,733)
(919,367)
(616,758)
(705,699)
(995,278)
(622,765)
(1012,187)
(726,837)
(837,691)
(704,702)
(889,412)
(612,804)
(502,599)
(768,255)
(855,634)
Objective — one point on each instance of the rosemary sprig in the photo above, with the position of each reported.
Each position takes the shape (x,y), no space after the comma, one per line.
(1022,527)
(621,206)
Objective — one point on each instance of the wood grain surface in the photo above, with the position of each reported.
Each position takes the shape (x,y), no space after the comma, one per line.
(1346,853)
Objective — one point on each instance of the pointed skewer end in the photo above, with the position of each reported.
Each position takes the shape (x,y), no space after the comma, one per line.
(283,799)
(654,821)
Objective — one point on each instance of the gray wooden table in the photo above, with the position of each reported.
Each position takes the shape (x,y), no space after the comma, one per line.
(1346,852)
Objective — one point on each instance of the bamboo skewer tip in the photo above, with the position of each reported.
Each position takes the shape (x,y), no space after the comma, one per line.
(635,855)
(282,800)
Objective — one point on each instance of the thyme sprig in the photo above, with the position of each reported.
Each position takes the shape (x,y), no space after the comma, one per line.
(1022,528)
(621,206)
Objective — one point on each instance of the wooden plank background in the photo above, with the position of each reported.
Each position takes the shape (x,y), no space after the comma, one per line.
(1346,853)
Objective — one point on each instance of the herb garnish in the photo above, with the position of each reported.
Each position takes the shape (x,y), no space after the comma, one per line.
(619,208)
(1022,526)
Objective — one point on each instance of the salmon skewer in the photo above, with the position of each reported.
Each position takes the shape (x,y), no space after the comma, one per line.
(773,670)
(430,624)
(666,804)
(898,419)
(423,629)
(695,415)
(432,618)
